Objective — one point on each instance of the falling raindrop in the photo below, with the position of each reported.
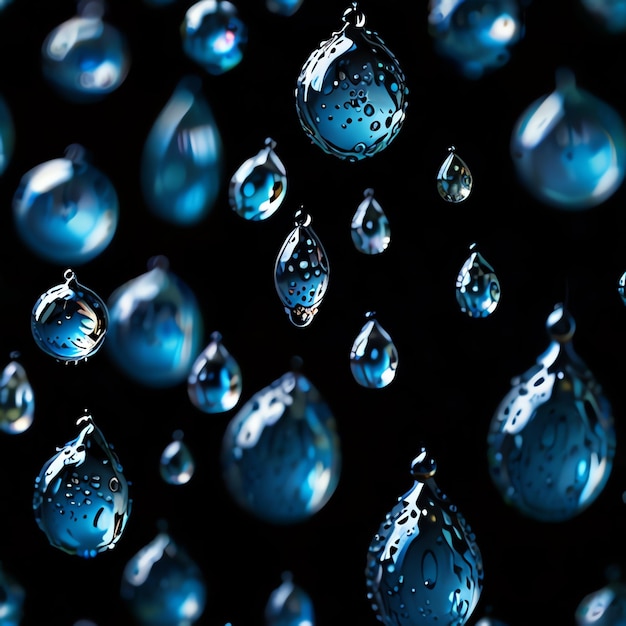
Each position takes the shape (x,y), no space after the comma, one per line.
(370,227)
(477,286)
(17,400)
(177,465)
(289,605)
(454,179)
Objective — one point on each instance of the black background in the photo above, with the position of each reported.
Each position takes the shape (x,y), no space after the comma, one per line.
(452,372)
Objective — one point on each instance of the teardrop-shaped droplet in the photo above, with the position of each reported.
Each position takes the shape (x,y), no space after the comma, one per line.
(289,605)
(608,14)
(259,186)
(605,606)
(454,179)
(374,356)
(156,327)
(17,400)
(85,58)
(182,158)
(214,35)
(283,7)
(370,227)
(81,498)
(569,147)
(301,272)
(477,286)
(66,210)
(621,287)
(214,384)
(12,598)
(177,465)
(351,94)
(423,564)
(281,456)
(69,321)
(7,135)
(161,584)
(551,440)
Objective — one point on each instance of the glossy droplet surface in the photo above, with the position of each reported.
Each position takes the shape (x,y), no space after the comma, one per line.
(477,286)
(551,440)
(177,465)
(301,272)
(81,498)
(12,599)
(214,384)
(283,7)
(609,14)
(281,455)
(370,229)
(569,147)
(7,135)
(17,399)
(69,321)
(621,287)
(423,565)
(454,179)
(603,607)
(289,605)
(156,327)
(351,94)
(182,158)
(214,35)
(66,210)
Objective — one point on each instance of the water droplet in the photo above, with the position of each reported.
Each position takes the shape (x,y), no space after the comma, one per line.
(182,159)
(66,210)
(283,7)
(289,605)
(351,94)
(301,272)
(12,597)
(281,456)
(569,147)
(17,400)
(424,563)
(551,440)
(621,287)
(7,135)
(177,465)
(156,327)
(477,286)
(76,522)
(69,321)
(454,179)
(370,227)
(608,14)
(605,606)
(214,36)
(214,384)
(259,186)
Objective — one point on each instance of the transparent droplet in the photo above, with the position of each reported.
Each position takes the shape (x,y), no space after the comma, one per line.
(177,465)
(476,36)
(373,357)
(423,564)
(214,36)
(156,327)
(12,598)
(351,94)
(608,14)
(214,384)
(69,321)
(81,498)
(283,7)
(289,605)
(17,399)
(182,158)
(7,134)
(489,621)
(161,584)
(66,210)
(605,606)
(551,440)
(454,179)
(370,227)
(85,58)
(259,186)
(569,147)
(621,287)
(301,272)
(281,456)
(477,286)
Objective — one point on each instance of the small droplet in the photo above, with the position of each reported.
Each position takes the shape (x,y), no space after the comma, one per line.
(477,286)
(283,7)
(454,179)
(621,288)
(7,133)
(289,605)
(12,598)
(370,227)
(605,606)
(17,400)
(177,465)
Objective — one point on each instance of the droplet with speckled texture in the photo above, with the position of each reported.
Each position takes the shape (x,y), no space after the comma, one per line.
(289,605)
(370,229)
(177,465)
(17,399)
(477,286)
(454,179)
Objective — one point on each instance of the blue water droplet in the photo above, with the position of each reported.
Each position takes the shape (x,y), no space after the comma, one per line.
(182,158)
(17,399)
(423,564)
(7,135)
(66,210)
(12,597)
(370,229)
(283,7)
(609,14)
(351,94)
(605,606)
(454,179)
(551,440)
(289,605)
(621,287)
(177,465)
(477,286)
(81,498)
(156,327)
(259,186)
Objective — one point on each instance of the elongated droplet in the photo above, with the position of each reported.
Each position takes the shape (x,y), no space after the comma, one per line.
(259,186)
(182,159)
(289,605)
(551,440)
(17,400)
(373,357)
(12,598)
(621,287)
(423,564)
(477,286)
(605,606)
(177,465)
(454,179)
(301,272)
(81,499)
(214,384)
(370,227)
(7,134)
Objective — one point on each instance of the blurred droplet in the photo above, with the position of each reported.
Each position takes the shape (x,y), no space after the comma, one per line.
(370,227)
(7,134)
(283,7)
(289,605)
(605,606)
(176,464)
(12,599)
(608,14)
(17,400)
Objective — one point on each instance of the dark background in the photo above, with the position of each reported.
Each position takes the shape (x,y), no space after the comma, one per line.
(452,372)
